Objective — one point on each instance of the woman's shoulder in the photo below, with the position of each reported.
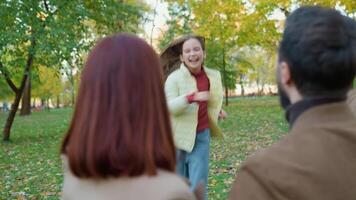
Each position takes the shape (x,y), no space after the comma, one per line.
(171,178)
(164,185)
(174,185)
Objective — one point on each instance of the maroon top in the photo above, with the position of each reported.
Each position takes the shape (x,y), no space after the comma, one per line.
(203,84)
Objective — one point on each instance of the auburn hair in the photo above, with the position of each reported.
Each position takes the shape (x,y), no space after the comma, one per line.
(121,124)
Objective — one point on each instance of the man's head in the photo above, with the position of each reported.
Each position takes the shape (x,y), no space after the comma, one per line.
(317,55)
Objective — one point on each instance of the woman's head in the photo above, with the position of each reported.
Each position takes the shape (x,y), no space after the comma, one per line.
(192,52)
(120,125)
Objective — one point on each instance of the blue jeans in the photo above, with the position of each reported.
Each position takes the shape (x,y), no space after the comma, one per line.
(195,165)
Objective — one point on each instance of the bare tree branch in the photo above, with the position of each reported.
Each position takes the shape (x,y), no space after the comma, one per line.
(48,10)
(46,6)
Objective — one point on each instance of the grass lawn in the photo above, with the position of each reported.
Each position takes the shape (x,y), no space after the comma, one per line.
(30,167)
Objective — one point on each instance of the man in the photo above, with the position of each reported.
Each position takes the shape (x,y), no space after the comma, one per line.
(316,160)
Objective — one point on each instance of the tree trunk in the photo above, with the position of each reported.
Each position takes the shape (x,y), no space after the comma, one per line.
(11,116)
(242,86)
(262,89)
(34,103)
(15,105)
(58,101)
(72,83)
(43,103)
(47,102)
(26,98)
(225,81)
(73,96)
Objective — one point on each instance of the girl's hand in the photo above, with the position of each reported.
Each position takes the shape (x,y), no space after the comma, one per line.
(222,114)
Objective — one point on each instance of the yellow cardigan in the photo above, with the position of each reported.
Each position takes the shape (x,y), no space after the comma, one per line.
(184,116)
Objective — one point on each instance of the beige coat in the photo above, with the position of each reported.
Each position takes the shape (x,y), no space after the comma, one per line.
(316,161)
(184,116)
(164,186)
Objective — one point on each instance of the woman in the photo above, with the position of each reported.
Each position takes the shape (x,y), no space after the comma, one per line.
(195,95)
(119,144)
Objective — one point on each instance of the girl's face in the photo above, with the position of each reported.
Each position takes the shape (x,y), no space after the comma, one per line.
(192,54)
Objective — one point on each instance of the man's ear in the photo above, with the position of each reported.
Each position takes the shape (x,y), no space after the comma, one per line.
(181,58)
(285,73)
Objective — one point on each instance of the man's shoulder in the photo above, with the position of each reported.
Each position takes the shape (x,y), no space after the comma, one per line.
(264,158)
(274,158)
(303,146)
(262,175)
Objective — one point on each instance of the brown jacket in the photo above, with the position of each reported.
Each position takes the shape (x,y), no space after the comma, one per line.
(316,161)
(164,186)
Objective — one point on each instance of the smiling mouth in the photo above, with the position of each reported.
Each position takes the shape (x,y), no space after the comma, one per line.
(193,60)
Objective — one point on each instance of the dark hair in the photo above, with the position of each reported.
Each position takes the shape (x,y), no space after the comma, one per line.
(200,39)
(319,45)
(121,124)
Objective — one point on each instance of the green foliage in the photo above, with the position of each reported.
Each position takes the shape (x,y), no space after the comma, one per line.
(61,29)
(230,26)
(179,24)
(30,165)
(5,90)
(217,57)
(113,16)
(258,66)
(216,20)
(49,83)
(49,32)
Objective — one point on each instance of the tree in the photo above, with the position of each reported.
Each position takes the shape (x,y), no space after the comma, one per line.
(49,84)
(262,69)
(5,90)
(217,21)
(48,31)
(231,25)
(242,65)
(179,23)
(190,16)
